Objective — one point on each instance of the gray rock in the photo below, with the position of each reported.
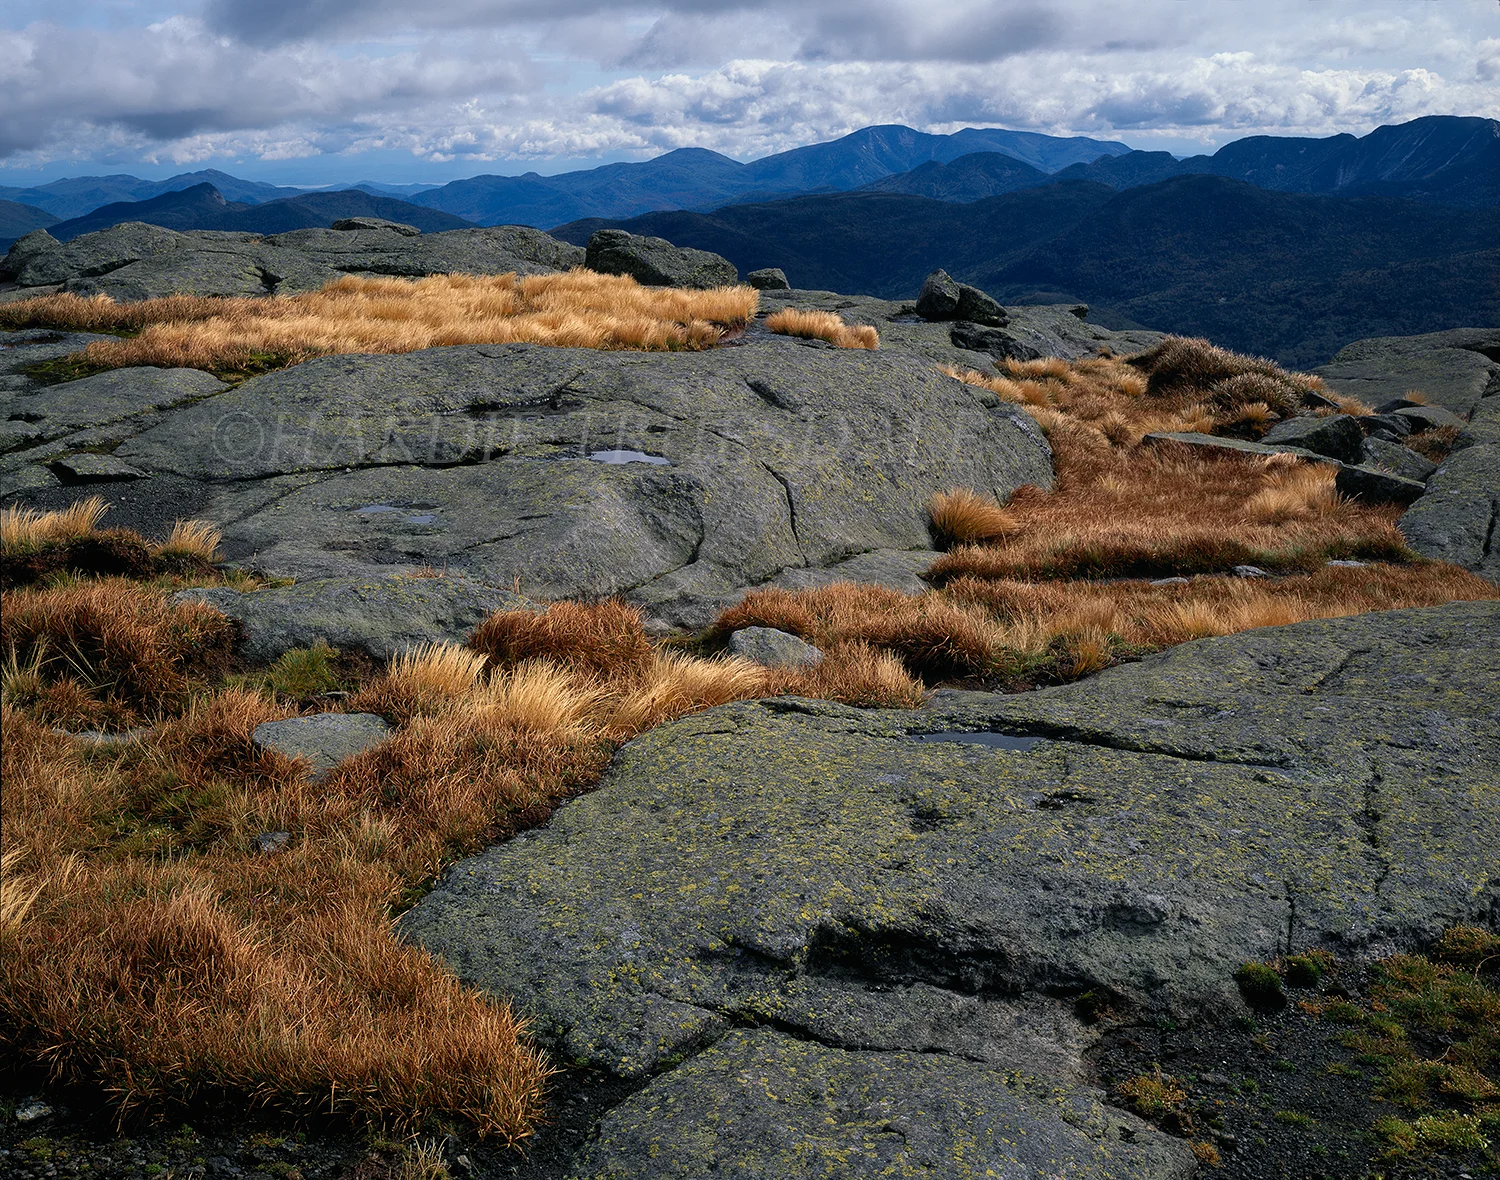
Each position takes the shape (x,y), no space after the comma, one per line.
(938,299)
(1391,427)
(1455,521)
(476,459)
(381,615)
(268,843)
(773,648)
(322,740)
(1397,459)
(1377,486)
(23,250)
(106,398)
(32,1109)
(1250,571)
(896,569)
(89,468)
(1339,563)
(400,227)
(655,262)
(977,307)
(1453,368)
(1238,445)
(997,342)
(1170,581)
(1338,436)
(760,1105)
(1430,417)
(770,278)
(809,868)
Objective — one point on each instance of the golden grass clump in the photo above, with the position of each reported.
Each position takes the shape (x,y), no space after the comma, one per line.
(600,638)
(961,516)
(675,683)
(193,539)
(823,325)
(422,680)
(579,309)
(25,530)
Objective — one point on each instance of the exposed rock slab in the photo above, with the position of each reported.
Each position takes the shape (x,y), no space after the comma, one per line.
(808,867)
(381,616)
(655,262)
(762,1106)
(1454,368)
(477,459)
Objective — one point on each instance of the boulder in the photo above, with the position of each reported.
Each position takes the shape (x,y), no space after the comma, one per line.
(978,308)
(770,278)
(773,648)
(1430,417)
(801,869)
(1455,520)
(1398,460)
(1376,485)
(381,616)
(23,250)
(941,298)
(322,740)
(1338,436)
(1391,427)
(345,224)
(938,299)
(655,262)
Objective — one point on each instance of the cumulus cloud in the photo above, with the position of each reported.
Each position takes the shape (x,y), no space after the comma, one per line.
(515,80)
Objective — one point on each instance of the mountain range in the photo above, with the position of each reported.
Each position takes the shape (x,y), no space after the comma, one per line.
(204,207)
(1291,275)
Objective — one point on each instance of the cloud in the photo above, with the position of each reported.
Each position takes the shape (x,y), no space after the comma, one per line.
(518,80)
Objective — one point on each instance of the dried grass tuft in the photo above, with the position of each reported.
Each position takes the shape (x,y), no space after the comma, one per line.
(25,530)
(962,516)
(600,638)
(192,539)
(823,325)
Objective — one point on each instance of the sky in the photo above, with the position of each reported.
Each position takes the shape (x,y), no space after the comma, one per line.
(332,91)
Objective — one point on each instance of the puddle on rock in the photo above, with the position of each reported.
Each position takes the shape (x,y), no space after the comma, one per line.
(373,509)
(995,741)
(417,517)
(619,456)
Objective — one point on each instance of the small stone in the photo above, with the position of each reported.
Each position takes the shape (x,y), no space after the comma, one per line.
(31,1110)
(770,278)
(1339,563)
(270,842)
(773,648)
(322,739)
(1250,571)
(1430,417)
(1215,1079)
(1170,582)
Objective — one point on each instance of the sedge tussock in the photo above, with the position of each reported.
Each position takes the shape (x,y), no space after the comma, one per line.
(193,539)
(421,680)
(676,683)
(823,325)
(537,697)
(601,637)
(579,309)
(961,516)
(25,530)
(855,673)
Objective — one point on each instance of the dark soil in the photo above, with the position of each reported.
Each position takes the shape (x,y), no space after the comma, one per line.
(79,1139)
(1278,1095)
(149,506)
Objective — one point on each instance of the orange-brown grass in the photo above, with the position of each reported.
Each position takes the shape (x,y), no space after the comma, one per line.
(36,544)
(1123,508)
(579,309)
(1435,443)
(149,948)
(119,642)
(823,325)
(1194,367)
(961,516)
(26,530)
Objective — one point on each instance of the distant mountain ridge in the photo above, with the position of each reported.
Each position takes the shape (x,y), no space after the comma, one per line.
(1292,275)
(204,207)
(75,196)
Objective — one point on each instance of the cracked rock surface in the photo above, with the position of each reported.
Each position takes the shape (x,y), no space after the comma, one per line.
(807,870)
